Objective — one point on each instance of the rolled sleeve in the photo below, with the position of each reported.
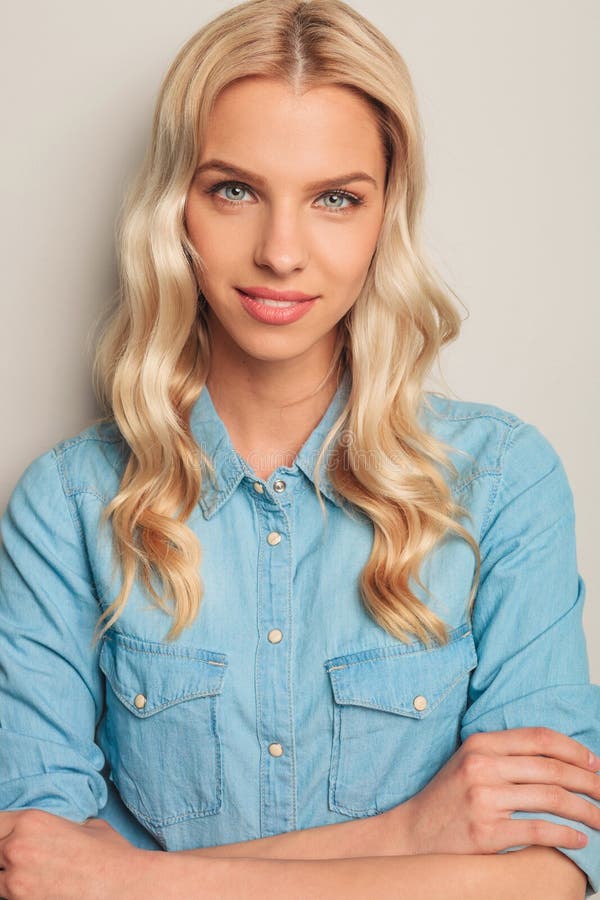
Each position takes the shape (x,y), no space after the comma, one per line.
(51,695)
(527,621)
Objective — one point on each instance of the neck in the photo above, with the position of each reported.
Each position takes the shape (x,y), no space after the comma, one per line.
(270,407)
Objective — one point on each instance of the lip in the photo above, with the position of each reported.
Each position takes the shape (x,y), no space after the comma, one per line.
(275,315)
(255,290)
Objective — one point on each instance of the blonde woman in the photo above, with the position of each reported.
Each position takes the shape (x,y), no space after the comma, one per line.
(281,612)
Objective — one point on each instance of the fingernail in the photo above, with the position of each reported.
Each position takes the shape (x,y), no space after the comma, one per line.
(581,838)
(594,761)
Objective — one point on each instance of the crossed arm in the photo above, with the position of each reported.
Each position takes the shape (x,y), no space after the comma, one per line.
(399,853)
(442,842)
(540,873)
(326,860)
(44,856)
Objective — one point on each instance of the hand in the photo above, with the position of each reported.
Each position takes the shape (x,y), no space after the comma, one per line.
(466,807)
(48,857)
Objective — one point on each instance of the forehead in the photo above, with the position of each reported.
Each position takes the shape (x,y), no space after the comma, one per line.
(257,120)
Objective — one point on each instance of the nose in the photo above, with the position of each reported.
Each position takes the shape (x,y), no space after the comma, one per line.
(281,244)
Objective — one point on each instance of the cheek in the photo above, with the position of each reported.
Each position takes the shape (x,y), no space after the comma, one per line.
(347,252)
(218,240)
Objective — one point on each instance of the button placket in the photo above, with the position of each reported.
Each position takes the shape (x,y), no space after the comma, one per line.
(278,783)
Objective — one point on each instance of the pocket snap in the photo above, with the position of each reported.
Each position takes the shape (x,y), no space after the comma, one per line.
(162,704)
(396,719)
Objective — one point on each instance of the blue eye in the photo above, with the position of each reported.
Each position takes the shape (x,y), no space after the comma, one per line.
(343,201)
(338,197)
(235,191)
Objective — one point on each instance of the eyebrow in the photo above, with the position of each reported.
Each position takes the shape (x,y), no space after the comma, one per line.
(237,172)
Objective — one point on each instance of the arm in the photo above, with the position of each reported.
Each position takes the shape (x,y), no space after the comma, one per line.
(372,836)
(546,873)
(527,621)
(51,689)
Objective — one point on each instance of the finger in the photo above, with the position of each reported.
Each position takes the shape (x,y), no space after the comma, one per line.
(542,770)
(537,831)
(538,741)
(551,798)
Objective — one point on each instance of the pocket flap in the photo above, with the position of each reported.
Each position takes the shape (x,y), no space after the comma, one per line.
(147,676)
(406,678)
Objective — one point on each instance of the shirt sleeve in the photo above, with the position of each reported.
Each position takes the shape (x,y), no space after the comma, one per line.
(527,620)
(51,695)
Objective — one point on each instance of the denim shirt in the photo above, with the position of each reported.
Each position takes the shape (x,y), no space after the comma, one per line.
(284,705)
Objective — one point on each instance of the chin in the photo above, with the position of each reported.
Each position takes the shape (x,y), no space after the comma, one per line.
(280,354)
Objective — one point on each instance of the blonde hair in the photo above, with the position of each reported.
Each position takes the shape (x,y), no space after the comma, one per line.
(154,354)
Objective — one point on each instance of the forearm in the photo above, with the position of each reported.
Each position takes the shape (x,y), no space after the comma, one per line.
(380,835)
(169,876)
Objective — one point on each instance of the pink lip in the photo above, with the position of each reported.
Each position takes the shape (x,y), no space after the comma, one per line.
(280,314)
(270,294)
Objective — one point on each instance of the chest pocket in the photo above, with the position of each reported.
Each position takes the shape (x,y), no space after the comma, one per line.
(162,727)
(396,720)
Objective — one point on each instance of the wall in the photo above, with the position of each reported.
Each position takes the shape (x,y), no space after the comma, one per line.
(509,94)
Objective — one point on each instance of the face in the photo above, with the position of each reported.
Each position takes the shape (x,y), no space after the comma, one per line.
(288,197)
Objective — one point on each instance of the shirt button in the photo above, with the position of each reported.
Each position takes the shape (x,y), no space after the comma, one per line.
(139,701)
(279,486)
(275,635)
(420,702)
(258,487)
(275,749)
(273,538)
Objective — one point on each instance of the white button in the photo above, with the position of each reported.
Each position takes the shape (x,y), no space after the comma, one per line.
(258,487)
(273,538)
(279,486)
(139,701)
(275,635)
(420,702)
(275,749)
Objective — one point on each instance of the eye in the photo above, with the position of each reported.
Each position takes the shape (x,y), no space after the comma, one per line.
(234,191)
(338,198)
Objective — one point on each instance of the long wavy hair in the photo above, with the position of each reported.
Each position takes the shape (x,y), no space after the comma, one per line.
(153,354)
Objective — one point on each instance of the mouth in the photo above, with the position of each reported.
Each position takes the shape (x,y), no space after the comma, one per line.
(271,297)
(276,311)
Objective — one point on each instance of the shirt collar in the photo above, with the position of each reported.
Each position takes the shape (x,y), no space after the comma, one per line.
(213,438)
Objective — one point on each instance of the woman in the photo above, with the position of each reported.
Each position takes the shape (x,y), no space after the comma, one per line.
(281,612)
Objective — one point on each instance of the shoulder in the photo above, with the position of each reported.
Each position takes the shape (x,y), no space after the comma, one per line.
(508,471)
(487,438)
(91,461)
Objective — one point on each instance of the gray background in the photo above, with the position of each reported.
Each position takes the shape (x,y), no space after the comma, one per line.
(509,93)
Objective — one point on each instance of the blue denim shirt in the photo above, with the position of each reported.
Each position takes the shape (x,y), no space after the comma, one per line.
(285,705)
